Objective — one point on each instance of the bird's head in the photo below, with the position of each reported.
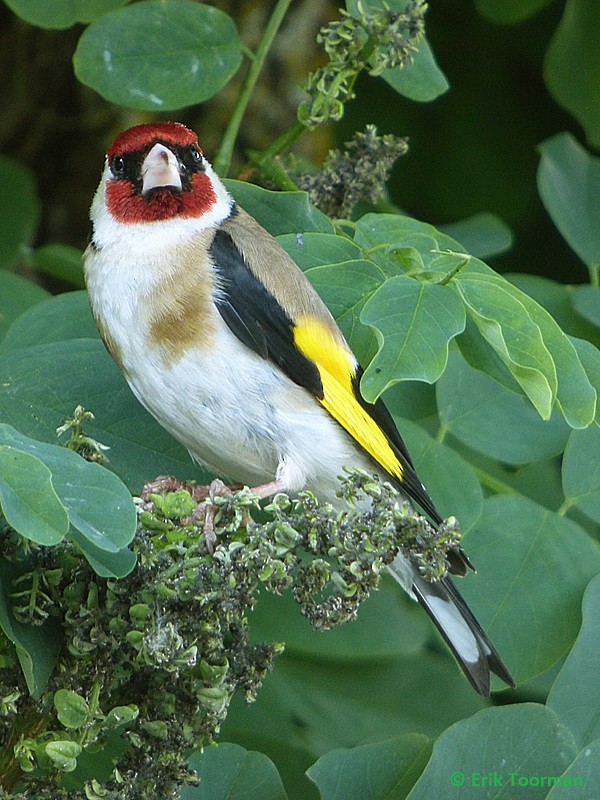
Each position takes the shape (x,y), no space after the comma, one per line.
(156,177)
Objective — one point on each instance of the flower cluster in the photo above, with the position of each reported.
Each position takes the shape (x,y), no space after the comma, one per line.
(150,662)
(374,38)
(358,172)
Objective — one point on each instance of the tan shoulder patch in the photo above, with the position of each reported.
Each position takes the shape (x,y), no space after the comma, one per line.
(182,312)
(277,270)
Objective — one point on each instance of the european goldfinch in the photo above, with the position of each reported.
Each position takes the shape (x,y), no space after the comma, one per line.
(223,339)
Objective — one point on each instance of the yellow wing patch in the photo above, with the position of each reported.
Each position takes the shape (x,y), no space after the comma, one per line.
(336,367)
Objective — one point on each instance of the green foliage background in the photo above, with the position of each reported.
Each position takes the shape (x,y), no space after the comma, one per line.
(493,374)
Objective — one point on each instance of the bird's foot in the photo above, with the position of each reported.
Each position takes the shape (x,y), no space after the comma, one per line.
(268,489)
(169,483)
(205,511)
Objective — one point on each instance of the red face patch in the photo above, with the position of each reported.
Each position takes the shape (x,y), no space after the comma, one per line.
(126,205)
(124,199)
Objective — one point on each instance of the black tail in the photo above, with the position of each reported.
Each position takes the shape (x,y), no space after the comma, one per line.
(454,619)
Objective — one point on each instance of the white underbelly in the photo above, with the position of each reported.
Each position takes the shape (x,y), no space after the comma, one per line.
(243,418)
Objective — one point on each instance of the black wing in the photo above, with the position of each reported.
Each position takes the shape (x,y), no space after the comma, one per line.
(255,316)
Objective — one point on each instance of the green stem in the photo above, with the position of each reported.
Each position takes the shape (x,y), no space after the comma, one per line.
(93,706)
(274,172)
(94,699)
(566,506)
(281,143)
(223,160)
(28,725)
(455,270)
(594,270)
(493,484)
(35,584)
(345,227)
(288,137)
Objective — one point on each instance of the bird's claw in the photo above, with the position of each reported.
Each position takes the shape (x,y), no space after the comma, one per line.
(206,510)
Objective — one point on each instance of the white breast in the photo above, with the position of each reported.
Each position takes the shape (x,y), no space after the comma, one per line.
(234,411)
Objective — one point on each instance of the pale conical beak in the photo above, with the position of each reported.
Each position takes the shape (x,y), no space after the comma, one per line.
(160,169)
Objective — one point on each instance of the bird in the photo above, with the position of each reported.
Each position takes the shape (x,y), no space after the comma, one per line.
(223,339)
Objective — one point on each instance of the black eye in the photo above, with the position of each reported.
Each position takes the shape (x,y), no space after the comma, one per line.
(117,167)
(191,159)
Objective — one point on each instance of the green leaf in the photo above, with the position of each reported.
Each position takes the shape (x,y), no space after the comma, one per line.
(505,324)
(60,261)
(386,234)
(572,65)
(575,396)
(280,212)
(28,499)
(413,322)
(37,646)
(63,754)
(569,185)
(556,372)
(41,385)
(228,772)
(422,80)
(582,773)
(319,704)
(387,625)
(96,763)
(581,471)
(97,502)
(65,316)
(72,709)
(158,56)
(480,355)
(590,360)
(291,762)
(492,419)
(539,481)
(509,12)
(450,480)
(522,740)
(557,299)
(119,716)
(532,569)
(62,13)
(382,771)
(19,209)
(345,288)
(412,400)
(319,249)
(483,235)
(586,302)
(105,564)
(575,694)
(16,295)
